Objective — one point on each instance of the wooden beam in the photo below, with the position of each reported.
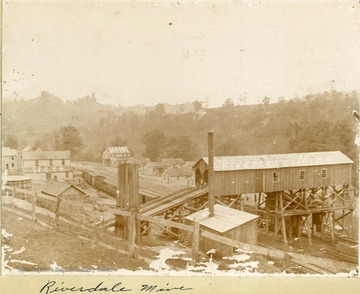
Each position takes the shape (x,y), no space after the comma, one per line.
(165,222)
(283,225)
(132,230)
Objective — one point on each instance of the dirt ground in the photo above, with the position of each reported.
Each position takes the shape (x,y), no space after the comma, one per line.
(63,251)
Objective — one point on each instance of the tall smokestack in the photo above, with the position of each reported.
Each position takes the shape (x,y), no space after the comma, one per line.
(211,172)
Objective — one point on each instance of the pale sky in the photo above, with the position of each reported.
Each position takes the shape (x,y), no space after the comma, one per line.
(149,53)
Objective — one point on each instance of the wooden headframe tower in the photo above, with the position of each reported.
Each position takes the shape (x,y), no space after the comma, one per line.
(127,197)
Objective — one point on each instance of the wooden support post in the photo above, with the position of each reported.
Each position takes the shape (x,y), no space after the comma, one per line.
(331,225)
(307,221)
(299,226)
(276,217)
(308,228)
(34,197)
(13,196)
(196,242)
(283,225)
(322,227)
(291,227)
(353,225)
(132,230)
(57,210)
(211,173)
(267,213)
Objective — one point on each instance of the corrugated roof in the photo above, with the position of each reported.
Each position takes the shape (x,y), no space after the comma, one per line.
(55,188)
(7,151)
(224,219)
(178,172)
(270,161)
(46,154)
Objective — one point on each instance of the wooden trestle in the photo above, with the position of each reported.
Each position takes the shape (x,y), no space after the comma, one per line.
(292,212)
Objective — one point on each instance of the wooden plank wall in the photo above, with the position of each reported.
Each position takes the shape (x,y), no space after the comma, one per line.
(256,181)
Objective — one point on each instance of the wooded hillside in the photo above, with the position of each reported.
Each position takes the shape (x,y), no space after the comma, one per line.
(316,122)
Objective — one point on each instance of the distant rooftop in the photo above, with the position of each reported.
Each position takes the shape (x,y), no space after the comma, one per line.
(46,154)
(224,219)
(178,172)
(7,151)
(271,161)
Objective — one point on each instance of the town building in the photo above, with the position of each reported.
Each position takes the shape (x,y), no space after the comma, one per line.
(112,156)
(155,168)
(47,165)
(10,161)
(179,175)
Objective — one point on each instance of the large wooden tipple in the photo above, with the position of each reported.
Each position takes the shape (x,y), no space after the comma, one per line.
(292,193)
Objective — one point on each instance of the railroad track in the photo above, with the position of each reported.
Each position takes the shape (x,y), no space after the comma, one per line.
(310,268)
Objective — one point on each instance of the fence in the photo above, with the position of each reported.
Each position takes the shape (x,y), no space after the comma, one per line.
(133,219)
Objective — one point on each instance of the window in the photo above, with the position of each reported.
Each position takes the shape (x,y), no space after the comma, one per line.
(302,175)
(67,174)
(276,178)
(324,173)
(63,162)
(12,165)
(36,162)
(51,162)
(7,166)
(12,158)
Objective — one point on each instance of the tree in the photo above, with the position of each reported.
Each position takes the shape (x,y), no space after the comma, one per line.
(182,147)
(158,112)
(155,142)
(266,100)
(229,103)
(242,99)
(11,141)
(197,105)
(67,138)
(118,141)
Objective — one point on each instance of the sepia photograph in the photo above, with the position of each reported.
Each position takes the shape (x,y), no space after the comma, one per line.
(180,138)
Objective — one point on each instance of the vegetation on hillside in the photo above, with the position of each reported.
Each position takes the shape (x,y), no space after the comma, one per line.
(316,122)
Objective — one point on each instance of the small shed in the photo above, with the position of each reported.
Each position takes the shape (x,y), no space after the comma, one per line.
(226,222)
(72,198)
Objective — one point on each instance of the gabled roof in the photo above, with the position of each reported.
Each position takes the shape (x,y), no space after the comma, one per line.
(56,188)
(46,154)
(7,151)
(271,161)
(224,219)
(178,172)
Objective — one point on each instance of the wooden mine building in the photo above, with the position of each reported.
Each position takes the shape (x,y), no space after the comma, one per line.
(292,191)
(227,222)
